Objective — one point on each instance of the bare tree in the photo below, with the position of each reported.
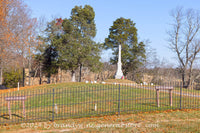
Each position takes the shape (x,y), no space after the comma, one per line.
(107,72)
(5,34)
(23,28)
(184,40)
(17,34)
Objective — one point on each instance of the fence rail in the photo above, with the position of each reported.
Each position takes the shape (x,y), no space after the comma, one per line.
(91,100)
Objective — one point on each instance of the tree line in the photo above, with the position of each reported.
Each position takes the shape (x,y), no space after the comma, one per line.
(68,44)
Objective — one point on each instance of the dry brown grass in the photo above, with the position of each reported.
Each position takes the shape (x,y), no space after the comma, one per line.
(166,121)
(119,81)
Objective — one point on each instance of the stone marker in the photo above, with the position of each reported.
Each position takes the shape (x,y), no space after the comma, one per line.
(95,107)
(119,73)
(56,108)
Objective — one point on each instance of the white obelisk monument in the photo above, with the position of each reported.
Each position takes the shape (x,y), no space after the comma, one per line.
(119,73)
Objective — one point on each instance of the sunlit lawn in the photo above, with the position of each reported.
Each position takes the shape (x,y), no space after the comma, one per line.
(82,100)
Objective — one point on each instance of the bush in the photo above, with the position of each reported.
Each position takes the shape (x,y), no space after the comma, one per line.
(157,80)
(11,78)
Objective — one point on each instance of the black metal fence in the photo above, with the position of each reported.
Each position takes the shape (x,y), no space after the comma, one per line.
(93,100)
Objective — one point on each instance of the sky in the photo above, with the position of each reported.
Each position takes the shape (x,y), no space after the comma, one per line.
(152,18)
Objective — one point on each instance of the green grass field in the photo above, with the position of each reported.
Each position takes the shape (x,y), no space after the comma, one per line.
(79,100)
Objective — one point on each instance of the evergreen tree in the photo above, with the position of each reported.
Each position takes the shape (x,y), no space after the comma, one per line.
(124,32)
(50,65)
(50,53)
(75,45)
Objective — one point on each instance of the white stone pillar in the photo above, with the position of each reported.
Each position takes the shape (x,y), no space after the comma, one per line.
(73,77)
(119,72)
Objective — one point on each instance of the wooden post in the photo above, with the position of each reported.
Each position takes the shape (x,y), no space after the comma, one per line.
(24,112)
(163,88)
(16,98)
(157,97)
(9,110)
(170,97)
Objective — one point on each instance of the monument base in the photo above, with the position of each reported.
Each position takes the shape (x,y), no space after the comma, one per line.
(118,76)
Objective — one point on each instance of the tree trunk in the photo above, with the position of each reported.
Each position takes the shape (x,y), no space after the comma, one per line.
(49,78)
(80,72)
(185,85)
(1,71)
(35,73)
(73,76)
(40,74)
(29,74)
(1,75)
(60,76)
(183,79)
(23,77)
(190,77)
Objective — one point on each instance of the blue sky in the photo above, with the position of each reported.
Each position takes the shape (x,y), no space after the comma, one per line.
(152,17)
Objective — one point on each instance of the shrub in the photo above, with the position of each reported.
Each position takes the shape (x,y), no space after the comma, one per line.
(11,78)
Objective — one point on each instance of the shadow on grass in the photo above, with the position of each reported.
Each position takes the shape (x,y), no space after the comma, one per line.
(5,116)
(164,105)
(149,104)
(52,112)
(17,115)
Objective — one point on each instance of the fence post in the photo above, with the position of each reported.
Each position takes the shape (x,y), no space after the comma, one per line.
(53,107)
(181,97)
(119,101)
